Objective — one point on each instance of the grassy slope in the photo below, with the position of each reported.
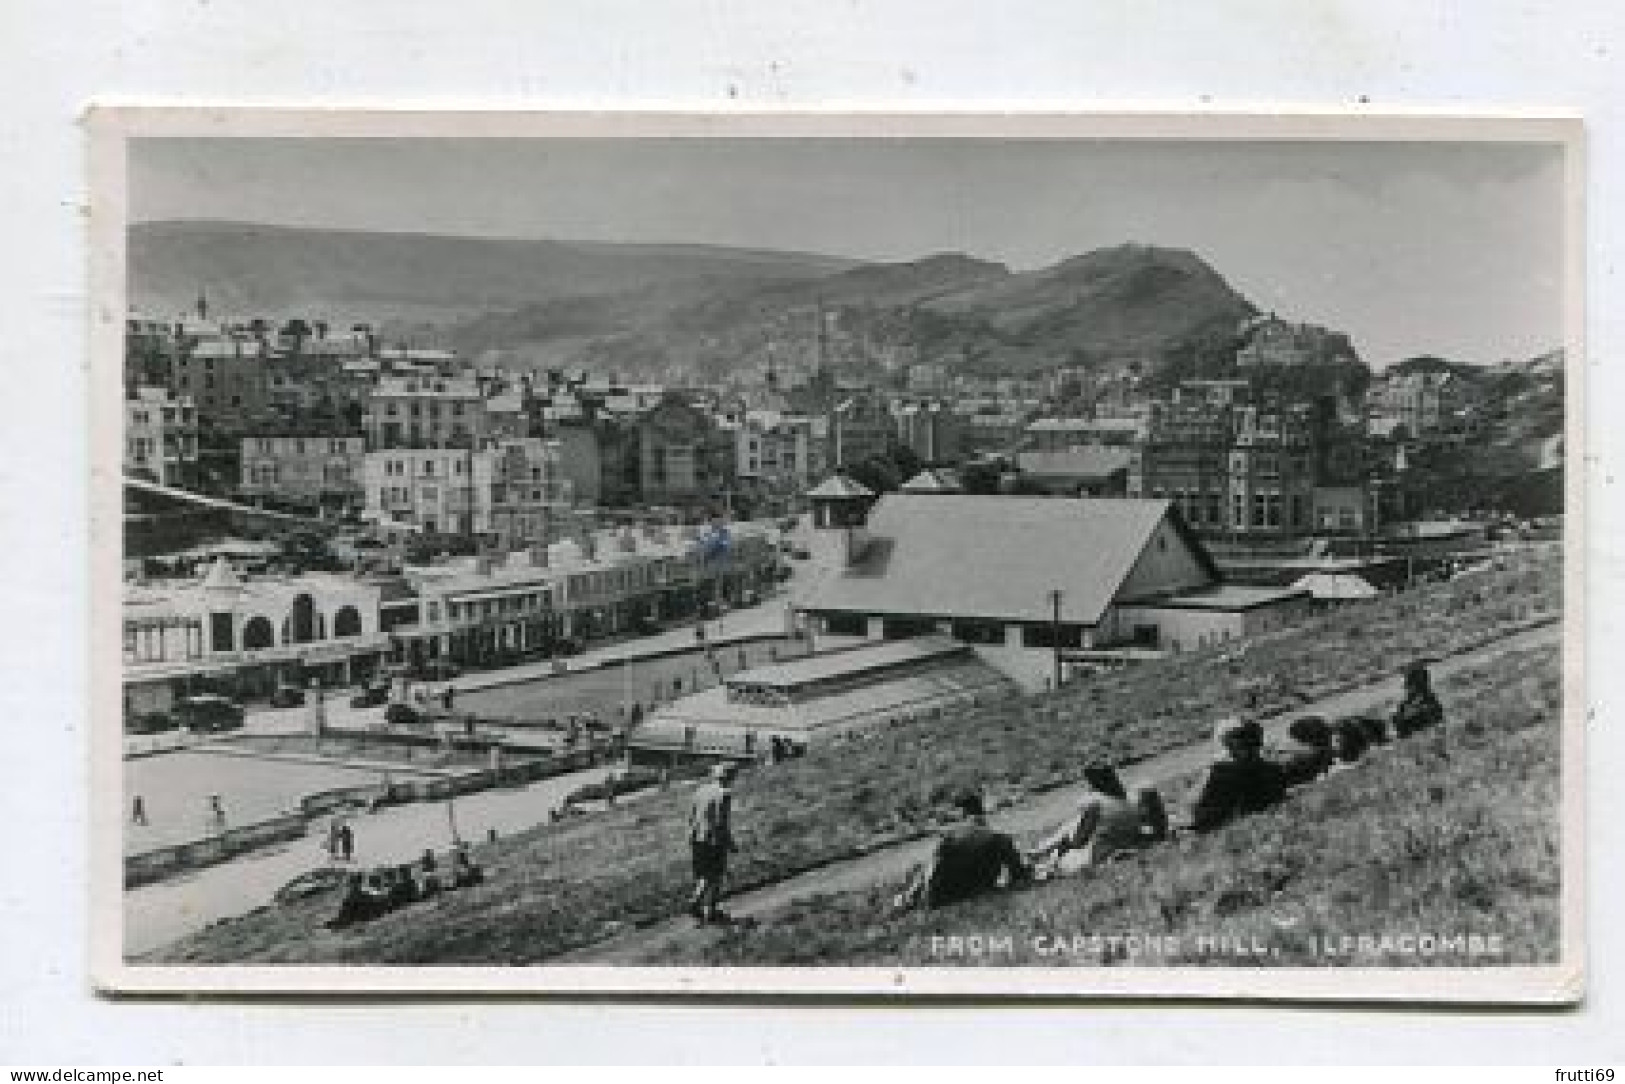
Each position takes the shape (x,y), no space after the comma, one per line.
(1405,842)
(560,887)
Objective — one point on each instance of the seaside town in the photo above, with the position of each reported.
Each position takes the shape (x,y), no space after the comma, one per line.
(412,633)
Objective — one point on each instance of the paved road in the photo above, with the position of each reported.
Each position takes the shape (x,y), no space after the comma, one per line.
(764,619)
(1042,813)
(156,914)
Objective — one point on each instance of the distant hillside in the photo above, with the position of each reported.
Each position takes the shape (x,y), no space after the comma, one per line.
(689,311)
(1130,303)
(257,270)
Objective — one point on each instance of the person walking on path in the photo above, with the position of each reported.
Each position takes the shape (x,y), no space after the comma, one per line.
(138,811)
(710,841)
(346,842)
(217,813)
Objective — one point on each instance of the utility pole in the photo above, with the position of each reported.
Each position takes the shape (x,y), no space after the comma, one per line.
(1055,632)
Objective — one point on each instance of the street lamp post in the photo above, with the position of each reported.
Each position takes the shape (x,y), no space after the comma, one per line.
(1055,632)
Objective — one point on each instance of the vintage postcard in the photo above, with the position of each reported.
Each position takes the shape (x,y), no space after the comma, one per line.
(758,553)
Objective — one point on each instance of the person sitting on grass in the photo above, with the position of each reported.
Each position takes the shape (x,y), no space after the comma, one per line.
(1352,739)
(428,879)
(971,860)
(1312,752)
(1241,781)
(464,872)
(356,905)
(364,899)
(1419,709)
(403,890)
(1106,825)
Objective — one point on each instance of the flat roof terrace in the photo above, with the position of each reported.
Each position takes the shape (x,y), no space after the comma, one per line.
(847,662)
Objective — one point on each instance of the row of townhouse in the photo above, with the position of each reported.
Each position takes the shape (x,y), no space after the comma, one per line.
(247,635)
(584,588)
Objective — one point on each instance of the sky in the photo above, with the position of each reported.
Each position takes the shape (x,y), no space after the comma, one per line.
(1454,249)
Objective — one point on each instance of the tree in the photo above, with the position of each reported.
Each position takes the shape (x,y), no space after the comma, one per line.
(981,478)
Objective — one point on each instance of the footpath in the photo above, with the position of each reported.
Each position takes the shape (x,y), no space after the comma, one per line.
(167,910)
(1043,812)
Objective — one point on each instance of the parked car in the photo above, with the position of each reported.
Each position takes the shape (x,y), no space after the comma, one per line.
(208,713)
(371,697)
(150,722)
(402,715)
(287,696)
(441,670)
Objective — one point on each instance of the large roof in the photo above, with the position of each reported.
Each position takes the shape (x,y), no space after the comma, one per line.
(995,557)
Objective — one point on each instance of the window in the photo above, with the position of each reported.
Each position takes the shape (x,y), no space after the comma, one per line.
(973,631)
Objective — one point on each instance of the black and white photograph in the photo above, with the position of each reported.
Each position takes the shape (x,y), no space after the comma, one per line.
(872,555)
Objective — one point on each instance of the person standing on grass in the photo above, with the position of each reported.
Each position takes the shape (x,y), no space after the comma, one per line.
(710,841)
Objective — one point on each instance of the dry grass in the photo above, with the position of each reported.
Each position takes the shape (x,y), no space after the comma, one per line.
(556,888)
(1404,843)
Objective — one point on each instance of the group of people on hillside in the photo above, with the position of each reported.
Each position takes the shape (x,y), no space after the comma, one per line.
(1243,778)
(371,895)
(973,858)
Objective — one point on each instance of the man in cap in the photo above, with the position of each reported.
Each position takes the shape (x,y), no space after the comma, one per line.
(1419,709)
(710,840)
(1242,781)
(970,859)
